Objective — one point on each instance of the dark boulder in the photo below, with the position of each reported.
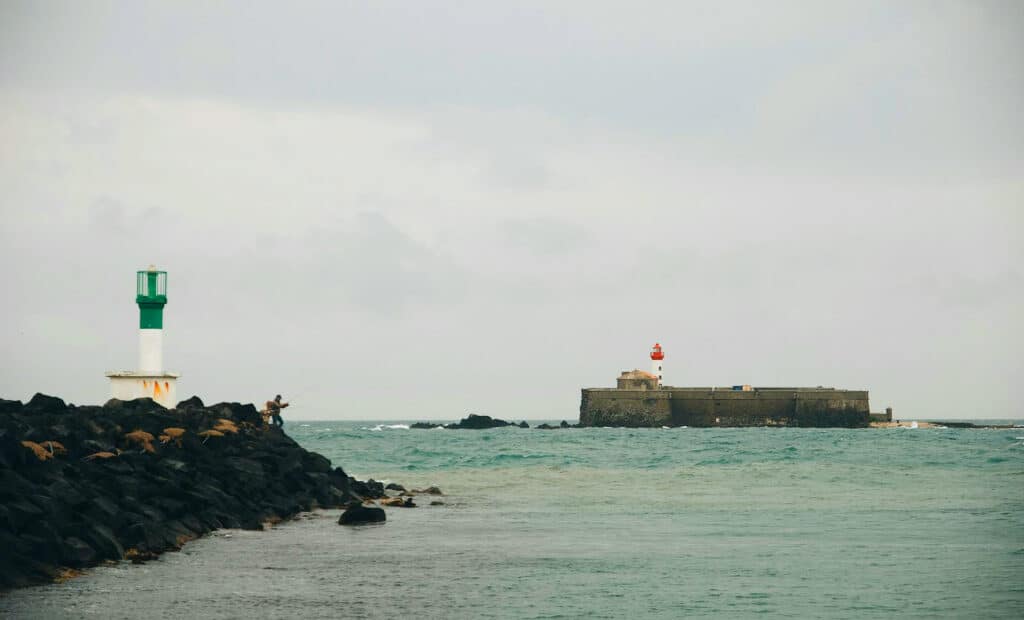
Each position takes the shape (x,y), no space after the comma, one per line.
(426,425)
(20,512)
(102,509)
(10,406)
(41,403)
(238,412)
(428,491)
(371,489)
(12,453)
(137,405)
(311,461)
(103,541)
(394,486)
(69,494)
(191,403)
(248,472)
(356,514)
(77,552)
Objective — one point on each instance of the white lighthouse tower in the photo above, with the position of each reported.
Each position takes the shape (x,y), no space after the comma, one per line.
(150,379)
(657,358)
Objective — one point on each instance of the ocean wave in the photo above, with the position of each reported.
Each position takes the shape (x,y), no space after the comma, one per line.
(390,427)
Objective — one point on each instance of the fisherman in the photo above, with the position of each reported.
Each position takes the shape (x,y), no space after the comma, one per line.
(274,407)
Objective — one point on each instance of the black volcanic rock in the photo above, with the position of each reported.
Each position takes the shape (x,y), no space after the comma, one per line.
(131,479)
(371,489)
(427,491)
(478,422)
(41,403)
(140,405)
(356,514)
(191,403)
(561,425)
(420,425)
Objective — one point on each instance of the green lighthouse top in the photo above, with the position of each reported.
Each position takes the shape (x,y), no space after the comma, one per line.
(151,295)
(151,286)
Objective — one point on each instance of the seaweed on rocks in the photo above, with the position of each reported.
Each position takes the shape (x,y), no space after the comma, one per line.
(131,479)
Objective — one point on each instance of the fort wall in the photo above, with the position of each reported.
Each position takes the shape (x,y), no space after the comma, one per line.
(700,406)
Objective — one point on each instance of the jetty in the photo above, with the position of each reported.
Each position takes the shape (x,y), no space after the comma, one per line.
(131,479)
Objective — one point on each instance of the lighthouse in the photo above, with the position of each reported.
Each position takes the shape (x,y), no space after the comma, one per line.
(150,380)
(657,357)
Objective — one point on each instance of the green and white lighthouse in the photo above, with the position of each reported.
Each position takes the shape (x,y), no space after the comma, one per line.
(150,380)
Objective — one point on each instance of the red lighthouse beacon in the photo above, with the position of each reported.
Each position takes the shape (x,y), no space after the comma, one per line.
(657,356)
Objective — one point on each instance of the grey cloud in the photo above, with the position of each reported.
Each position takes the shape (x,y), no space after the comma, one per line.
(523,194)
(546,236)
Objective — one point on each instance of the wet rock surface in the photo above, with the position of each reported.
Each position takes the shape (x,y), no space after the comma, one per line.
(130,479)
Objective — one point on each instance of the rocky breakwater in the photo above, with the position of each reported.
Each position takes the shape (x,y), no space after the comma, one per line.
(129,480)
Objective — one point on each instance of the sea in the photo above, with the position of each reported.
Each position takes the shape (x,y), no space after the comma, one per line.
(613,523)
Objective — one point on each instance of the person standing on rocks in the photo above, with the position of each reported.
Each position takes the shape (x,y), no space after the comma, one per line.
(274,407)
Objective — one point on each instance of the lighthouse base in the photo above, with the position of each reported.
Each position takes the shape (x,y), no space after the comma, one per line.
(160,386)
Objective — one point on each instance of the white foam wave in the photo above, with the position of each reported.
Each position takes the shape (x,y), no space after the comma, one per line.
(390,427)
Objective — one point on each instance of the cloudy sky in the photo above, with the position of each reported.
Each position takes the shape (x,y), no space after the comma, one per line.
(421,210)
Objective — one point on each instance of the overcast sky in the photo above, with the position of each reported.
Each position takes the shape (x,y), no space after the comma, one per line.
(422,210)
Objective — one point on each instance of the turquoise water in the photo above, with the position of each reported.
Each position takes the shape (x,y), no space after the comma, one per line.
(609,523)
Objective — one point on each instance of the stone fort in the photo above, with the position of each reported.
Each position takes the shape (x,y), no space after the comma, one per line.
(638,400)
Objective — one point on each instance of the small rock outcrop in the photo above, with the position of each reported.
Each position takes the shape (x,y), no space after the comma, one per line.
(473,422)
(563,424)
(478,422)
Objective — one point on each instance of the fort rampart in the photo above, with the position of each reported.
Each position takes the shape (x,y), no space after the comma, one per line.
(705,406)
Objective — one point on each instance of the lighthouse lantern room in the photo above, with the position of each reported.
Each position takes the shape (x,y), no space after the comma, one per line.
(657,358)
(150,380)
